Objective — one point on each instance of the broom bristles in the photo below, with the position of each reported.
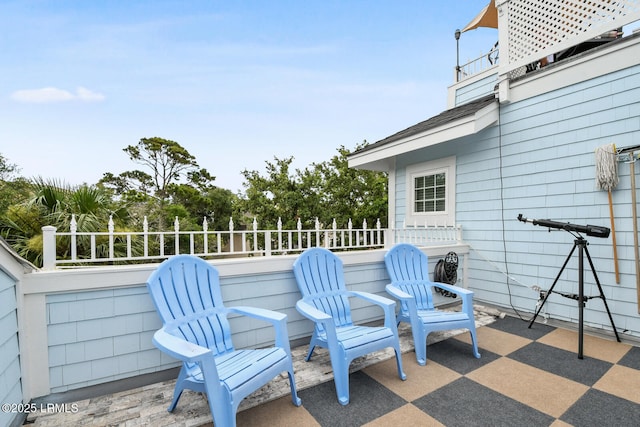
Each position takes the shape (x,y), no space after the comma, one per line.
(606,167)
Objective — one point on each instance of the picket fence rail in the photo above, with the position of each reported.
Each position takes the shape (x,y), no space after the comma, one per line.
(78,249)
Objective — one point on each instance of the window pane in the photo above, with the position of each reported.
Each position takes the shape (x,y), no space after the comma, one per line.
(429,206)
(430,193)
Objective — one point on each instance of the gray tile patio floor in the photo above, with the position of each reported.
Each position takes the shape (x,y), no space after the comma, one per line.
(148,405)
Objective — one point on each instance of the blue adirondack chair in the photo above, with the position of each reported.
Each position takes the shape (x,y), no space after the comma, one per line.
(186,293)
(325,300)
(410,284)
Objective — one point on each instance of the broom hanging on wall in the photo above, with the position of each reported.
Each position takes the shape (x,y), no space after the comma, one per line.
(607,179)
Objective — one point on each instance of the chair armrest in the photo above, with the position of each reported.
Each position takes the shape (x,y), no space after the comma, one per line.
(277,319)
(259,313)
(312,313)
(373,298)
(319,316)
(452,288)
(397,293)
(407,302)
(179,348)
(465,294)
(388,305)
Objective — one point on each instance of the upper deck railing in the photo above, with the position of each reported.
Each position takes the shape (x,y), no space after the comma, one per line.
(529,32)
(475,66)
(76,249)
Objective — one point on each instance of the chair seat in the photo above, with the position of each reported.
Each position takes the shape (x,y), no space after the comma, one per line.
(238,367)
(434,316)
(352,337)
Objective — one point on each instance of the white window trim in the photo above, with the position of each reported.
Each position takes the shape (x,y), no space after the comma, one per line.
(445,165)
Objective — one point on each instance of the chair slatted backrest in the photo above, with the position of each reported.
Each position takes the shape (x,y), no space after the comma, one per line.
(408,268)
(320,278)
(186,292)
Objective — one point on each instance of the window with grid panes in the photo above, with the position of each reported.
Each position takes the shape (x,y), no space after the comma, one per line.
(430,193)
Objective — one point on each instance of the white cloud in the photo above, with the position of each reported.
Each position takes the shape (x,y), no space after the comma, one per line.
(85,94)
(52,95)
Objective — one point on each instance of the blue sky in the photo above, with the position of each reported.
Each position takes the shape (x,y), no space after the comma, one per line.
(235,82)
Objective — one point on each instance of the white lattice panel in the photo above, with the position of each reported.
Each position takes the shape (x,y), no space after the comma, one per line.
(536,28)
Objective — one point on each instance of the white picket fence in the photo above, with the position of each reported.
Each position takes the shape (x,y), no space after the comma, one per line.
(121,247)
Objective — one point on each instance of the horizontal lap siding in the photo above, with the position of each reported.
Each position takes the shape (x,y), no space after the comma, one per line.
(548,171)
(276,291)
(101,336)
(367,278)
(10,377)
(476,90)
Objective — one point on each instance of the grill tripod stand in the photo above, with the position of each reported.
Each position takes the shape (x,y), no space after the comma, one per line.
(581,244)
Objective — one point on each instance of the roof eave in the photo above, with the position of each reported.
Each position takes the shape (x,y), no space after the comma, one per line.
(379,158)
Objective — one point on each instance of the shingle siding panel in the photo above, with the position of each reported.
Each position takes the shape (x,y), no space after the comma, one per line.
(99,332)
(546,144)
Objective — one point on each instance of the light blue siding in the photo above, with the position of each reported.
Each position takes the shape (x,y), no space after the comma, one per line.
(540,162)
(10,376)
(101,336)
(476,90)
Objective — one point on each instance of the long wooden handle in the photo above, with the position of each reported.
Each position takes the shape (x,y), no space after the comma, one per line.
(613,239)
(634,215)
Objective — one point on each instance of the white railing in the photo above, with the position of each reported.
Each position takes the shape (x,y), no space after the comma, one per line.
(475,66)
(427,235)
(75,248)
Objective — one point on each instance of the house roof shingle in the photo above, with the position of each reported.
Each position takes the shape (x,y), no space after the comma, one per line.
(433,122)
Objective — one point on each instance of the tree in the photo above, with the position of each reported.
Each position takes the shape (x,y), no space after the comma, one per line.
(349,193)
(168,161)
(276,195)
(327,191)
(214,203)
(168,165)
(7,170)
(13,188)
(54,203)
